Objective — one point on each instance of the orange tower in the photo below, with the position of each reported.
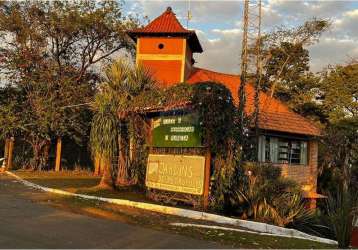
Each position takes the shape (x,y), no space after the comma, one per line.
(166,48)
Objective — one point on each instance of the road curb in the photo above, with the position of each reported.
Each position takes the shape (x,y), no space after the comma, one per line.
(250,225)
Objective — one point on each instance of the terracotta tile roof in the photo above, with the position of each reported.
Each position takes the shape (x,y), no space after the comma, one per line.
(168,24)
(274,115)
(165,23)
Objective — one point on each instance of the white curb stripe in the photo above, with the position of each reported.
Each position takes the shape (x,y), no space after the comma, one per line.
(251,225)
(241,230)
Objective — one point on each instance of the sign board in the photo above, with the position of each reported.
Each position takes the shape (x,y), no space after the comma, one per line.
(177,173)
(176,131)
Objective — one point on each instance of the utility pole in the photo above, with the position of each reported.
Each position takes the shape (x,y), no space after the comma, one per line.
(251,66)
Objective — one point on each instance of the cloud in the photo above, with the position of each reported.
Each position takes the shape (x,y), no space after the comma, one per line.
(346,25)
(332,51)
(299,10)
(221,54)
(201,11)
(220,27)
(227,31)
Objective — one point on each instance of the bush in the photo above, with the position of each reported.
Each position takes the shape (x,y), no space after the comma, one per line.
(317,224)
(342,215)
(267,197)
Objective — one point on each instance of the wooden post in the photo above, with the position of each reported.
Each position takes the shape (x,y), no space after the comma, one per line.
(150,136)
(6,151)
(10,153)
(58,154)
(97,164)
(207,179)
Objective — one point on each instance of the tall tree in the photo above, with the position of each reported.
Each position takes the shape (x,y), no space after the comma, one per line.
(50,52)
(286,62)
(110,135)
(339,98)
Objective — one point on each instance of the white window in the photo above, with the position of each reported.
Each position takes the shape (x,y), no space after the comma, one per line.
(281,150)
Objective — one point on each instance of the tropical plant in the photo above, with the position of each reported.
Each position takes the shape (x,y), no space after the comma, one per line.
(111,132)
(266,196)
(342,210)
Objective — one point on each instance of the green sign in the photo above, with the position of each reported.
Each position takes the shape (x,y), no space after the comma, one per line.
(176,131)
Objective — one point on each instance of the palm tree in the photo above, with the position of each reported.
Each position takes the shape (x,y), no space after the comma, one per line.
(110,136)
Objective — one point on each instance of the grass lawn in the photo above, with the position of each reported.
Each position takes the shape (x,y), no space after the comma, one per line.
(83,182)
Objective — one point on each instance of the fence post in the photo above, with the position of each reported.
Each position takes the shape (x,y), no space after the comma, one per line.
(10,153)
(58,154)
(6,150)
(207,179)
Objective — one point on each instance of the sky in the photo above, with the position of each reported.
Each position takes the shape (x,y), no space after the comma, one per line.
(218,25)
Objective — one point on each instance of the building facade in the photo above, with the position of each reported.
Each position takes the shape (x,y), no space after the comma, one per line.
(287,139)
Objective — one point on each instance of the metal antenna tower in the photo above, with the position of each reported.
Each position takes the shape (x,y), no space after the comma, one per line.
(251,67)
(189,15)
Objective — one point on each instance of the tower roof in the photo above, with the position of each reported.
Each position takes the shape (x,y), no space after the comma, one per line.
(167,25)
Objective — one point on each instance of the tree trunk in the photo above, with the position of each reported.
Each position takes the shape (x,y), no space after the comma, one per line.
(97,165)
(35,161)
(39,155)
(106,180)
(10,153)
(46,153)
(346,172)
(122,176)
(58,154)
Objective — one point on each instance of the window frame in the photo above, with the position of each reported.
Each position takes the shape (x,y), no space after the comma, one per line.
(269,146)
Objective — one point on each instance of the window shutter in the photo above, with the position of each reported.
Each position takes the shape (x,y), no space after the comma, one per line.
(274,149)
(261,147)
(303,157)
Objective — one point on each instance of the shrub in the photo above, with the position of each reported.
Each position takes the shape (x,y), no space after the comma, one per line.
(267,197)
(342,215)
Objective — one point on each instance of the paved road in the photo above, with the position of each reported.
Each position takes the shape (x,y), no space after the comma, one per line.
(25,224)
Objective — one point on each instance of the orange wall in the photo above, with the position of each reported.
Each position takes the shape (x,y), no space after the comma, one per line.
(188,65)
(167,64)
(149,45)
(165,72)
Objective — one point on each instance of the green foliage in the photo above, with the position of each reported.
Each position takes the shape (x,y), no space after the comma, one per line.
(218,119)
(116,124)
(339,92)
(286,65)
(339,149)
(130,93)
(264,195)
(10,108)
(297,63)
(76,34)
(339,153)
(218,115)
(342,209)
(48,51)
(105,126)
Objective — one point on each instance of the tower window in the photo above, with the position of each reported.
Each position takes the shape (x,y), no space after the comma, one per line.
(161,46)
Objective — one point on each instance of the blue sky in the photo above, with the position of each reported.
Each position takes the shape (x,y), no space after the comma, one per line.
(218,25)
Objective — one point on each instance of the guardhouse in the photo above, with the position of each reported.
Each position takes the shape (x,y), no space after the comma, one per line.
(287,139)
